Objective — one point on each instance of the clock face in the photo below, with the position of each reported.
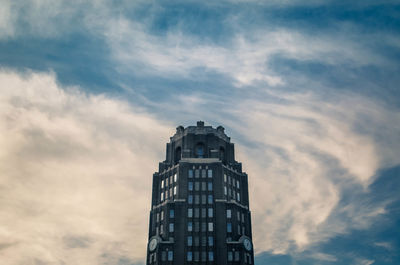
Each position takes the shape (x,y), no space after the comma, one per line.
(247,244)
(153,244)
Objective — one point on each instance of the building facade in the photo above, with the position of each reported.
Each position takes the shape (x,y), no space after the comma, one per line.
(200,204)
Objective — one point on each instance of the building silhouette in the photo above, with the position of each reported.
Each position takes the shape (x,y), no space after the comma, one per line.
(200,203)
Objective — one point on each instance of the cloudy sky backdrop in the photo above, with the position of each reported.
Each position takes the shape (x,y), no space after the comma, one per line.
(90,92)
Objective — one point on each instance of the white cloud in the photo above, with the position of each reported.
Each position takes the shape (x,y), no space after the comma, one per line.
(246,58)
(76,173)
(305,153)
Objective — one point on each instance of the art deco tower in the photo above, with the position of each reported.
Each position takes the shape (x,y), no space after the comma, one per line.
(200,204)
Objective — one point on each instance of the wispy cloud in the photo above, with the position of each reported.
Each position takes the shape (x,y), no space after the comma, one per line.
(75,173)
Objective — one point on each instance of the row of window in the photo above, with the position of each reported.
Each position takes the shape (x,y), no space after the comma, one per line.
(196,212)
(168,193)
(235,256)
(240,229)
(169,180)
(165,255)
(196,227)
(195,241)
(204,186)
(194,256)
(161,214)
(232,181)
(231,193)
(229,215)
(204,199)
(203,173)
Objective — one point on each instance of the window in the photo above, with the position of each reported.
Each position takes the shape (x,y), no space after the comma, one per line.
(196,226)
(166,182)
(203,199)
(190,185)
(237,256)
(238,229)
(190,199)
(229,227)
(171,227)
(233,182)
(203,241)
(243,230)
(175,188)
(210,212)
(190,226)
(196,173)
(204,229)
(166,194)
(203,212)
(196,241)
(175,177)
(230,256)
(237,184)
(162,196)
(163,255)
(210,173)
(189,241)
(210,199)
(225,191)
(238,196)
(210,241)
(190,212)
(243,217)
(158,217)
(162,184)
(170,255)
(228,213)
(211,256)
(229,180)
(162,215)
(203,173)
(196,256)
(200,151)
(171,213)
(161,229)
(196,199)
(234,194)
(210,227)
(203,256)
(196,213)
(190,175)
(197,186)
(210,186)
(203,186)
(170,192)
(238,215)
(189,256)
(224,177)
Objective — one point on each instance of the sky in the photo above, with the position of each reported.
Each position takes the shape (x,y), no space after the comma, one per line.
(91,91)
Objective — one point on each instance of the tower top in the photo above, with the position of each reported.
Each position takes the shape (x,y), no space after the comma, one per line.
(200,129)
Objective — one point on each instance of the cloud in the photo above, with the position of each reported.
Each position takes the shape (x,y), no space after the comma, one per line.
(76,172)
(305,156)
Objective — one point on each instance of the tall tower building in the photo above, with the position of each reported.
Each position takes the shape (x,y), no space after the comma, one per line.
(200,203)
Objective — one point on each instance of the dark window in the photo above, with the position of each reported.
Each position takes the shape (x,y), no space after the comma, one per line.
(200,150)
(229,227)
(178,154)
